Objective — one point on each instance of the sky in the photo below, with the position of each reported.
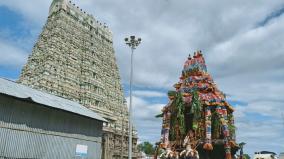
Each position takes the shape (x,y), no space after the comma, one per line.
(242,42)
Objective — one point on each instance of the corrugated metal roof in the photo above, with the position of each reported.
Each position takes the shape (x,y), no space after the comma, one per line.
(21,91)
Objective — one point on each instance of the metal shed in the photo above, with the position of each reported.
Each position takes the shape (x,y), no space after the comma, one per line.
(37,125)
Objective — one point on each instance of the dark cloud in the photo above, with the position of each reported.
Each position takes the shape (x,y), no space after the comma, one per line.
(271,16)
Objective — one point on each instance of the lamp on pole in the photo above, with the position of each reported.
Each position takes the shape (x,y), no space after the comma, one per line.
(132,42)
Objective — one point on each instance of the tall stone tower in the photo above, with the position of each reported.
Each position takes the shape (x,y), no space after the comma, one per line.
(74,58)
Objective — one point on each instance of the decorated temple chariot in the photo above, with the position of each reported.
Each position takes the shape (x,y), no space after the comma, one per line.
(197,122)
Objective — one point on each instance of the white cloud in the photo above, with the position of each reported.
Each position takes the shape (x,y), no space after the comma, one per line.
(33,10)
(256,51)
(260,135)
(148,93)
(11,56)
(147,124)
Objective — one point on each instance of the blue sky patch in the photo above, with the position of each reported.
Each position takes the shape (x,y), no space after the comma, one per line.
(11,73)
(253,116)
(12,22)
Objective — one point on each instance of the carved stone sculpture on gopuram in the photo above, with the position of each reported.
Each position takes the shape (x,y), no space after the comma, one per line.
(198,122)
(74,58)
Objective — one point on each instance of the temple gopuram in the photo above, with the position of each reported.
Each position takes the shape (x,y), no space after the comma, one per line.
(198,122)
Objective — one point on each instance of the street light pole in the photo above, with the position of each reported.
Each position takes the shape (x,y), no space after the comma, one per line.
(132,43)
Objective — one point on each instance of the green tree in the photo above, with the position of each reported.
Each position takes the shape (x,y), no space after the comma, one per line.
(147,148)
(246,156)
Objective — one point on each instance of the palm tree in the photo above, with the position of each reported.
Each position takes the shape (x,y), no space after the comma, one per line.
(241,147)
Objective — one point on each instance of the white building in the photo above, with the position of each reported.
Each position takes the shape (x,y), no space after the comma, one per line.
(264,155)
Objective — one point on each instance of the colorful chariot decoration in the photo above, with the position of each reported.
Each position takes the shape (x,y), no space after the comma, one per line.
(198,122)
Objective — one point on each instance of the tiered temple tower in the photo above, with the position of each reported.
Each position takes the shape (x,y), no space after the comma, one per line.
(74,58)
